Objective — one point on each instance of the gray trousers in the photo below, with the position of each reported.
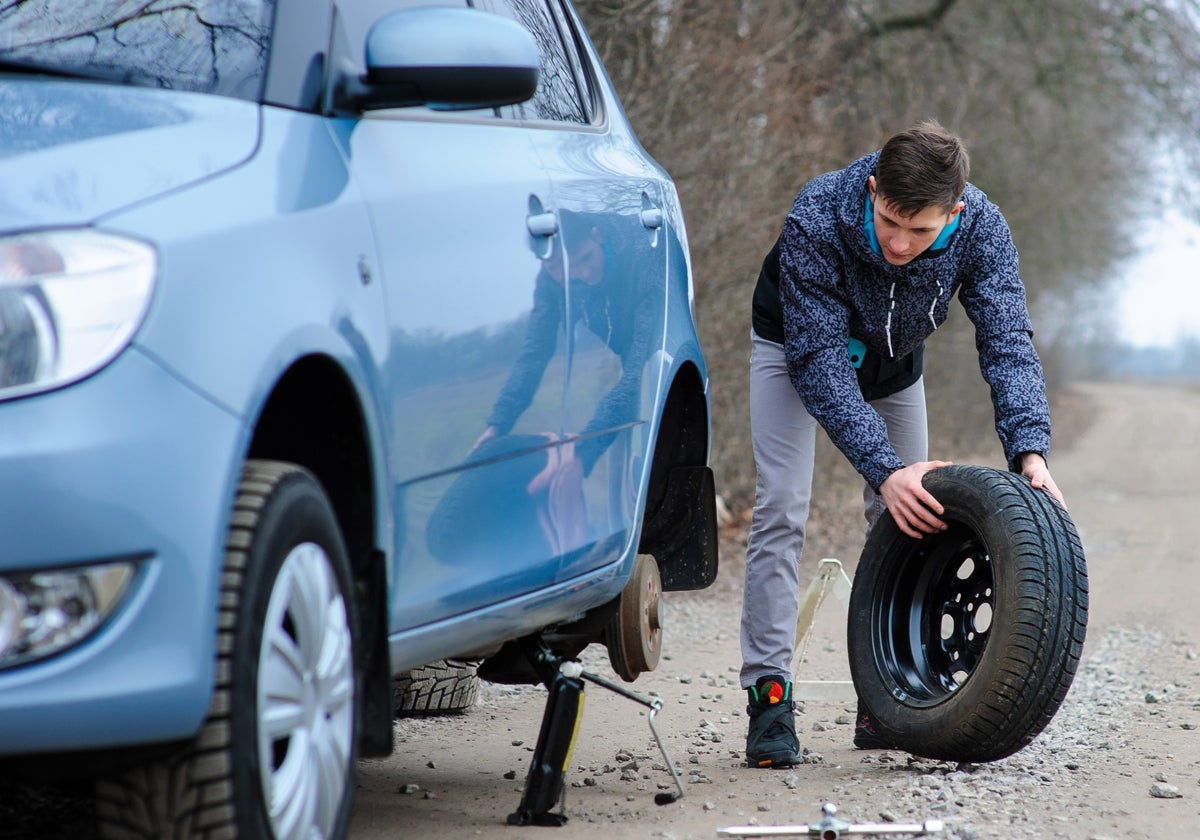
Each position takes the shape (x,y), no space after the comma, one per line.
(784,436)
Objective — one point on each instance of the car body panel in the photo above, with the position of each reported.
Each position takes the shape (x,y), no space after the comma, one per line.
(433,264)
(460,266)
(89,476)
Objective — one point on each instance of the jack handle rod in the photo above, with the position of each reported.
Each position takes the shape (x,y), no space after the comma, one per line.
(574,669)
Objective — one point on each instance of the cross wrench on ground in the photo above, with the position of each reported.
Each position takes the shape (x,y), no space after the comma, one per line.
(830,828)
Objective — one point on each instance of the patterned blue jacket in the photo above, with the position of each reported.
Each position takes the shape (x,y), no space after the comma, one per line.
(832,286)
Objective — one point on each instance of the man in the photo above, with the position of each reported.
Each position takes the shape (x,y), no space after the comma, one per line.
(861,275)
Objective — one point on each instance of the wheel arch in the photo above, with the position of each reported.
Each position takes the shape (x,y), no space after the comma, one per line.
(314,417)
(679,525)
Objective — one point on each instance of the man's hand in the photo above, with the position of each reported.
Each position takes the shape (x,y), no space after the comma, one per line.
(559,460)
(1033,467)
(913,507)
(488,433)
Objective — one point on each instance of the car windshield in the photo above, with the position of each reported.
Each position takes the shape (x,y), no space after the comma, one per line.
(210,46)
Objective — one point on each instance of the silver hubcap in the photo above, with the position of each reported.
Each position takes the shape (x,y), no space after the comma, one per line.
(305,697)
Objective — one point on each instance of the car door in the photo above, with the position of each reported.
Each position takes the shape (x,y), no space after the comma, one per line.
(467,235)
(609,204)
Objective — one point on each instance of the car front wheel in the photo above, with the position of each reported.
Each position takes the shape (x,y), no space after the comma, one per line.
(275,757)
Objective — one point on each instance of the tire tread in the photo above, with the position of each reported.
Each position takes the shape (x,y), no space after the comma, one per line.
(189,794)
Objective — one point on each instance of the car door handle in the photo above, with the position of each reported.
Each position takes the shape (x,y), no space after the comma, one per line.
(542,224)
(652,218)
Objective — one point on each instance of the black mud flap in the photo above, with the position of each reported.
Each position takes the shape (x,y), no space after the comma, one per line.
(375,738)
(681,531)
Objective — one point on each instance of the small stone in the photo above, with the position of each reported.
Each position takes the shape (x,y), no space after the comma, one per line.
(510,775)
(1165,791)
(1151,697)
(431,765)
(764,807)
(709,806)
(1189,725)
(843,720)
(430,795)
(407,789)
(686,679)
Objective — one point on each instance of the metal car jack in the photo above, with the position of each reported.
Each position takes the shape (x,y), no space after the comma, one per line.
(564,680)
(830,828)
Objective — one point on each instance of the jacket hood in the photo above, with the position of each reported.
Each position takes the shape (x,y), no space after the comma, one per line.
(852,192)
(73,152)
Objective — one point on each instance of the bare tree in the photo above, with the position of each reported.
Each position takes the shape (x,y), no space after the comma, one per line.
(1064,105)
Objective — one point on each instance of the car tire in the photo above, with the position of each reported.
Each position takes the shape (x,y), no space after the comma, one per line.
(275,758)
(963,644)
(444,687)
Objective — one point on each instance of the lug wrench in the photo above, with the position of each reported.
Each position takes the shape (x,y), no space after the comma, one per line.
(830,828)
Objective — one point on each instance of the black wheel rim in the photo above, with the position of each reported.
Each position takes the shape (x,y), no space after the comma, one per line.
(931,617)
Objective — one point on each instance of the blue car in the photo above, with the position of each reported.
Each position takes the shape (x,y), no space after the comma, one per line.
(338,341)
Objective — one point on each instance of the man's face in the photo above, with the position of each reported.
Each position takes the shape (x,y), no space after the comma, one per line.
(585,261)
(904,238)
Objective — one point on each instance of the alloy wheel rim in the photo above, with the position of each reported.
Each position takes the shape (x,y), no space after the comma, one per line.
(305,697)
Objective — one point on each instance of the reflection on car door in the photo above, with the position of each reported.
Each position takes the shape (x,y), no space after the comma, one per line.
(609,203)
(477,365)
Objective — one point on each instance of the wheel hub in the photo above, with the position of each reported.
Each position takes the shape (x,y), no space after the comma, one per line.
(634,636)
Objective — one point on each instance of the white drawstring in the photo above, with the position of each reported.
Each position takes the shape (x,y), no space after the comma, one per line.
(933,305)
(891,306)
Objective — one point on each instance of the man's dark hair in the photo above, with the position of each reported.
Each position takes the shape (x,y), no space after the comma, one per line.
(924,166)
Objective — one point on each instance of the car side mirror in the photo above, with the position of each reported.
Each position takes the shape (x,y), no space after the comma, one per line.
(443,58)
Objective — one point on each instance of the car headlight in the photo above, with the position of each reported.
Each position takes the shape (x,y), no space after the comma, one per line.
(70,301)
(47,611)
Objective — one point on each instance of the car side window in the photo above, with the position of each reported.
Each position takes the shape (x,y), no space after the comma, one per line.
(577,55)
(558,97)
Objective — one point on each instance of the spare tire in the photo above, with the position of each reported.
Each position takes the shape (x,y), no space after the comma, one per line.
(964,644)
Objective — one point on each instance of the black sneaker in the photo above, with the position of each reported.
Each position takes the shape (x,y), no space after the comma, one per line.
(866,736)
(771,739)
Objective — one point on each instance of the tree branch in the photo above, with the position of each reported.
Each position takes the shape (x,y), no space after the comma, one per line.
(918,20)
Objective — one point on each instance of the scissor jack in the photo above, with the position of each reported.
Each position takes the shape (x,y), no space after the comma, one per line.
(564,681)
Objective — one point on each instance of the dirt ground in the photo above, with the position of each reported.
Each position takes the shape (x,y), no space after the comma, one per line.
(1121,760)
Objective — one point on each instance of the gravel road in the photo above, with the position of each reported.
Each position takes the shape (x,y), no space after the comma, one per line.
(1120,760)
